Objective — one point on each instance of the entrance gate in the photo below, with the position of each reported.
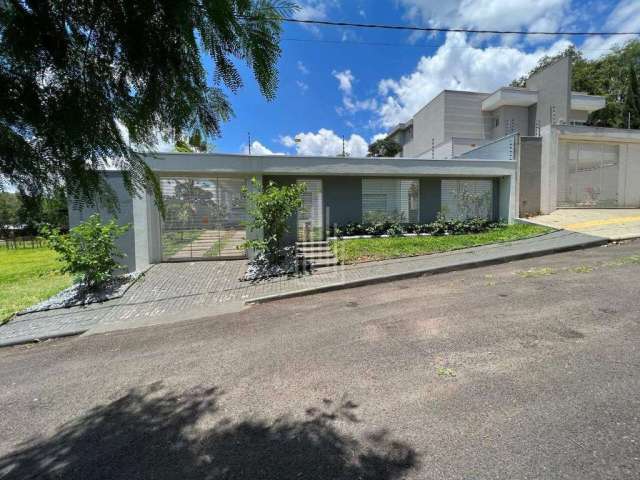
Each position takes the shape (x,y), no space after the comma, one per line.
(204,218)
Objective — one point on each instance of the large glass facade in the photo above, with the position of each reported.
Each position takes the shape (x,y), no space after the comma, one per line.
(390,199)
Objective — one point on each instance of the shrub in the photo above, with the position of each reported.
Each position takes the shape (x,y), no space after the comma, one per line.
(440,226)
(269,210)
(88,251)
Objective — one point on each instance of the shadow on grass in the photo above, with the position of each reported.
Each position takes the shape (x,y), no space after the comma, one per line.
(151,433)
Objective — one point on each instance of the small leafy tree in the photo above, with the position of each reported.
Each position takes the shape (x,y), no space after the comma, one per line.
(385,147)
(269,209)
(88,251)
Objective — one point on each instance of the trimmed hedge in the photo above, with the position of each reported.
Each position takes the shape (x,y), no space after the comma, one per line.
(440,226)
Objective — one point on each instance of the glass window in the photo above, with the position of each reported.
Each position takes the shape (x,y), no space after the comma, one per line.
(390,200)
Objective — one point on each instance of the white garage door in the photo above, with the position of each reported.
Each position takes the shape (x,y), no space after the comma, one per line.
(588,175)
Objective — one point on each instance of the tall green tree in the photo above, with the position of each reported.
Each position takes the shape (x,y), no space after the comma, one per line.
(384,147)
(632,99)
(9,206)
(82,81)
(46,209)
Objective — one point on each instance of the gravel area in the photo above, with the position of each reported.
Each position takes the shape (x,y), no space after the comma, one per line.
(78,295)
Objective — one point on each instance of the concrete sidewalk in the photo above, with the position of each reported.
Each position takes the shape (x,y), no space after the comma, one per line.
(173,292)
(611,223)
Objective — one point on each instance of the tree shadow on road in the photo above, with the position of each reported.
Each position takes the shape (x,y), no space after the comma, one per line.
(152,433)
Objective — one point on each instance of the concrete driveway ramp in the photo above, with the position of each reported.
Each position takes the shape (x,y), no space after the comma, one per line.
(613,224)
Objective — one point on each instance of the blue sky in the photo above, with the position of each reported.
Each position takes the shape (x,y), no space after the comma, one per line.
(358,83)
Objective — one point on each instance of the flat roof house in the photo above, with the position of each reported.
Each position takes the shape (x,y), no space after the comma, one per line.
(524,151)
(205,208)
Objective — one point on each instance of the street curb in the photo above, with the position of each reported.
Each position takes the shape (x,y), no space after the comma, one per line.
(24,340)
(425,272)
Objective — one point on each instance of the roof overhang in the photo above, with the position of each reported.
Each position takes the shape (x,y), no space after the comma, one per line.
(586,103)
(507,96)
(245,165)
(399,127)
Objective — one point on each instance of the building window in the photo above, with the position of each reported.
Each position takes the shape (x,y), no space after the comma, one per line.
(390,200)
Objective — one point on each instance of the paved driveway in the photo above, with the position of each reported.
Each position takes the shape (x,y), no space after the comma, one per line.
(613,224)
(526,370)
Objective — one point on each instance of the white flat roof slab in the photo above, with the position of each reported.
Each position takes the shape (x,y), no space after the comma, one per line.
(231,164)
(509,96)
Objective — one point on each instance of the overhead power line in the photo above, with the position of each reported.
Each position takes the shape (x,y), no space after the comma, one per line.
(443,29)
(411,45)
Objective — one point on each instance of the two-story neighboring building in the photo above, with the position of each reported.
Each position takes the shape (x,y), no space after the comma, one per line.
(563,162)
(455,122)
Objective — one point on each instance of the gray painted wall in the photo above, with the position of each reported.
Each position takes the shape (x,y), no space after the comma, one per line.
(430,198)
(127,243)
(529,178)
(464,116)
(512,120)
(554,90)
(428,123)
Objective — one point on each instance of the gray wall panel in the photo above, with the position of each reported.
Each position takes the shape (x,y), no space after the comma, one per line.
(343,197)
(429,199)
(124,216)
(530,171)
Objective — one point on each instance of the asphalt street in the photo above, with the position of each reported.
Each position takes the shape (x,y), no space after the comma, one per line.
(524,370)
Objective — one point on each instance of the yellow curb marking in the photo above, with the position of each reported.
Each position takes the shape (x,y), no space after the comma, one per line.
(607,221)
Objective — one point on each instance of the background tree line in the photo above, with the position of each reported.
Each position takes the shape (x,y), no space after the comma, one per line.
(28,213)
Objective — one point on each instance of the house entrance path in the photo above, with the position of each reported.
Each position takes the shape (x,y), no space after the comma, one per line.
(171,292)
(612,223)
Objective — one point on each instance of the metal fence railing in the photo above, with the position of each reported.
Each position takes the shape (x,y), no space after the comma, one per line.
(15,242)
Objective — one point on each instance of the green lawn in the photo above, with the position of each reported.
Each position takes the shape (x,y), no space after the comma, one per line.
(28,276)
(367,249)
(173,242)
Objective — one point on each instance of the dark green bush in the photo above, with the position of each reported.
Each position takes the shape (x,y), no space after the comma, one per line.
(440,226)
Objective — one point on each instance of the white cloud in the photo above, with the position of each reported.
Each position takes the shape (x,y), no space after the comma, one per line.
(302,68)
(345,81)
(351,104)
(258,149)
(624,18)
(311,10)
(325,143)
(163,143)
(303,86)
(378,136)
(456,65)
(489,14)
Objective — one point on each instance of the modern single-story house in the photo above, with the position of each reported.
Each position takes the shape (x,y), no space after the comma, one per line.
(206,210)
(515,151)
